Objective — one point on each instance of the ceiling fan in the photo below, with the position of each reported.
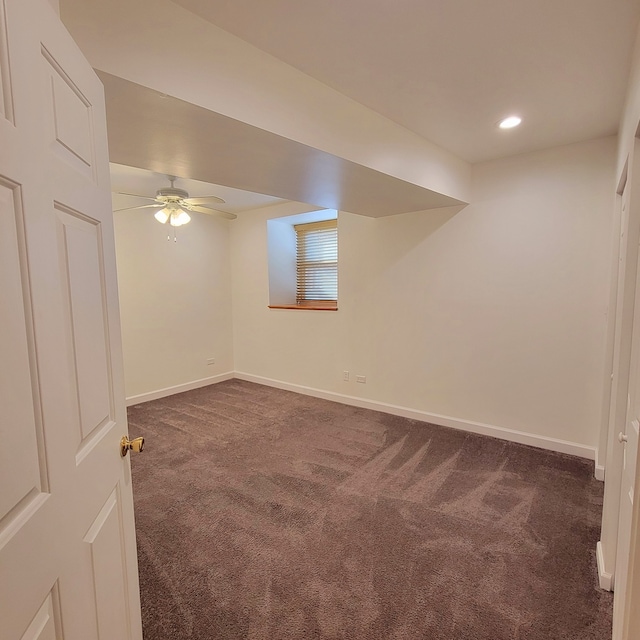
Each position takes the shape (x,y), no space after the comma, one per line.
(173,203)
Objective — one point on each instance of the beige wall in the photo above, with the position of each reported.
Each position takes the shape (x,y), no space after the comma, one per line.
(175,300)
(494,314)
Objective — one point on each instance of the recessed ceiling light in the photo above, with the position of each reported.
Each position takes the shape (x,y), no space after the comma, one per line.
(510,122)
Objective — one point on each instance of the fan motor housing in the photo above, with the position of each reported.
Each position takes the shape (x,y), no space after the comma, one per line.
(171,193)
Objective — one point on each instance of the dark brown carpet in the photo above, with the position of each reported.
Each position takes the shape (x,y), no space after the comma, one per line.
(266,515)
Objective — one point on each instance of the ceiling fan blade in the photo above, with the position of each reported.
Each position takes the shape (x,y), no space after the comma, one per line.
(198,199)
(135,195)
(211,211)
(142,206)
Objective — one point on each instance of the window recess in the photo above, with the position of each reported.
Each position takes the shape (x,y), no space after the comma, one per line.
(302,251)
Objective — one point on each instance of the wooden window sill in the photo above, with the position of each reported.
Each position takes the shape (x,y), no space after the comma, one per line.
(314,306)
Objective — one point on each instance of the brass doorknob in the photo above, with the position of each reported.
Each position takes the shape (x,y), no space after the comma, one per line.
(137,445)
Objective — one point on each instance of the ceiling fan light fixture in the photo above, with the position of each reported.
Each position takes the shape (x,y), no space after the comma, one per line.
(162,216)
(179,217)
(184,217)
(172,202)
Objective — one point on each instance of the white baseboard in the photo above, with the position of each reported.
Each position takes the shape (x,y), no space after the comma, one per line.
(604,578)
(179,388)
(521,437)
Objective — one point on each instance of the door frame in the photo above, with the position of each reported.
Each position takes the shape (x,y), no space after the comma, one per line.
(618,356)
(625,282)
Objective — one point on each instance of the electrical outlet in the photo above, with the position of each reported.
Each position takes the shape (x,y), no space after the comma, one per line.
(211,360)
(345,376)
(362,379)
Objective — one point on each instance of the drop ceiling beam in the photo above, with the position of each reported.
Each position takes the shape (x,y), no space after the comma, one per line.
(150,130)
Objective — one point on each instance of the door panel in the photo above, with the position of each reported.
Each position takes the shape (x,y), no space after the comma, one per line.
(67,541)
(46,624)
(19,455)
(80,247)
(70,118)
(624,529)
(109,570)
(630,459)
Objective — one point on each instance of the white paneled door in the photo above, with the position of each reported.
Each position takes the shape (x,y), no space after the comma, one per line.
(629,437)
(67,544)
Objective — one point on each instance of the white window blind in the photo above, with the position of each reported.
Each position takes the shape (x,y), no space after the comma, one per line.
(317,261)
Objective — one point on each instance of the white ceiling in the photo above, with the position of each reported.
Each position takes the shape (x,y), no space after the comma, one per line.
(446,70)
(146,183)
(450,69)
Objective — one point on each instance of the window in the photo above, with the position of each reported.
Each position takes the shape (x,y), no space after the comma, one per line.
(302,251)
(317,263)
